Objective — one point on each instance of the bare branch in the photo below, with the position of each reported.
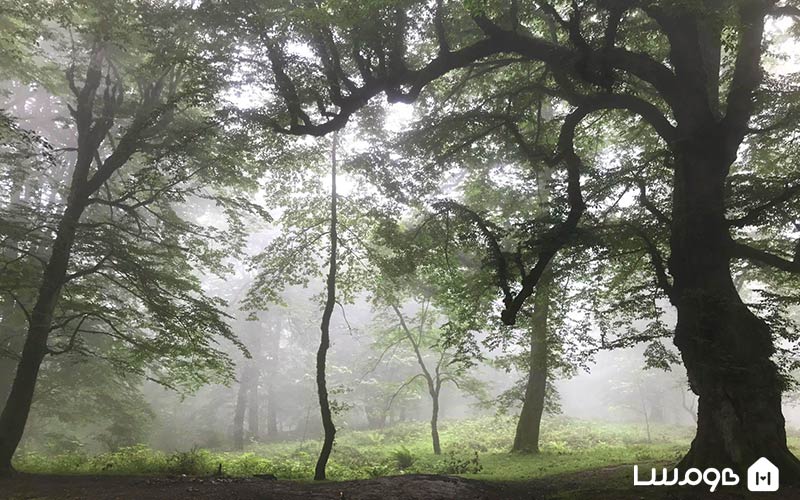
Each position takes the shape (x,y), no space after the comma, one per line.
(400,389)
(656,259)
(498,258)
(87,271)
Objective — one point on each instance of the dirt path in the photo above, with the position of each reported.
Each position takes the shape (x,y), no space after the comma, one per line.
(605,483)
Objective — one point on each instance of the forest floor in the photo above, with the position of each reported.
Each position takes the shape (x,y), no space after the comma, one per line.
(579,460)
(613,483)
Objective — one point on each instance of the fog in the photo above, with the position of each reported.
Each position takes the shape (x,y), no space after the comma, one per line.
(372,384)
(471,248)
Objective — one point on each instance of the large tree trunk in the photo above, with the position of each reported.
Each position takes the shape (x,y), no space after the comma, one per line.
(526,438)
(325,338)
(18,405)
(726,349)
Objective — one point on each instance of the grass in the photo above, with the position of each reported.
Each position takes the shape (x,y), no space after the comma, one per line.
(475,448)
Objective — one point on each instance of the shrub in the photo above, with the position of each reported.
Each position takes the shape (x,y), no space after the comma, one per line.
(453,464)
(192,463)
(403,457)
(137,459)
(246,464)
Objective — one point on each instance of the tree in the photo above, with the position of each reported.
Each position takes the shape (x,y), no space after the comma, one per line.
(423,336)
(325,329)
(116,258)
(689,71)
(499,188)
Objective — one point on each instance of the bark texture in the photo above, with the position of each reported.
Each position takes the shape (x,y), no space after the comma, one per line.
(725,347)
(526,438)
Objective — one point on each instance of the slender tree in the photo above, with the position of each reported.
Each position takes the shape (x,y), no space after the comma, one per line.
(325,329)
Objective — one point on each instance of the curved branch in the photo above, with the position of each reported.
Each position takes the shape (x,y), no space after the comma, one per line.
(400,389)
(560,234)
(402,84)
(498,258)
(649,205)
(73,337)
(762,257)
(415,345)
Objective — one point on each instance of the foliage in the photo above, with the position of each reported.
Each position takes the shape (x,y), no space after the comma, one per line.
(567,445)
(403,457)
(456,465)
(132,296)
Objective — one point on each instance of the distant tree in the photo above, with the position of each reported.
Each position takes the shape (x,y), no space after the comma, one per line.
(436,363)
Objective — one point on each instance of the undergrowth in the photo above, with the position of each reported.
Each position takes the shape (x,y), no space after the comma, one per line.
(475,447)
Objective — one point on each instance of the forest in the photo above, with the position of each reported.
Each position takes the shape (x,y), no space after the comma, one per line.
(379,249)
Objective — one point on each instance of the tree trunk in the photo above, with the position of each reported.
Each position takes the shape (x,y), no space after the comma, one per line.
(647,413)
(726,348)
(272,412)
(253,404)
(325,338)
(241,406)
(253,414)
(10,344)
(526,439)
(18,405)
(274,369)
(437,448)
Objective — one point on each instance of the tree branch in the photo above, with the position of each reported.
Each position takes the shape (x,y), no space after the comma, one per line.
(71,344)
(657,260)
(762,257)
(747,69)
(753,215)
(650,206)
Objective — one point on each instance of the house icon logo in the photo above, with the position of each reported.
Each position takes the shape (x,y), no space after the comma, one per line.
(762,476)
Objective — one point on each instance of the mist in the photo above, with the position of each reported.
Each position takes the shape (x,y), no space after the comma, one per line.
(402,249)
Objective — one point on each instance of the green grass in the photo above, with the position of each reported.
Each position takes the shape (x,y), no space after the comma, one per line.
(567,445)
